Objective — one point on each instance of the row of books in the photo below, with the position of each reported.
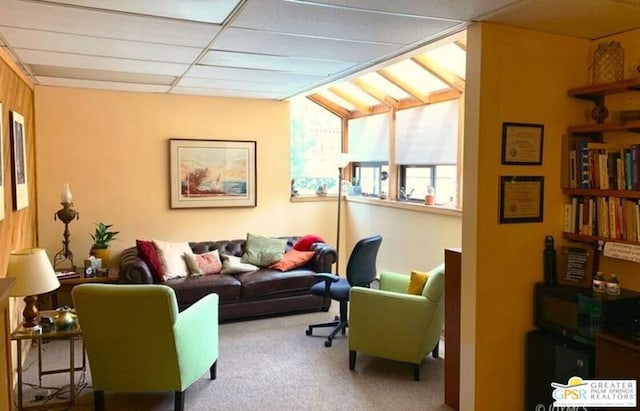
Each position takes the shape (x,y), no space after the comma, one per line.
(609,217)
(63,275)
(604,166)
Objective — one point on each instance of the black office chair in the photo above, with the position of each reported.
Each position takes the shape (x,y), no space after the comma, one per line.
(361,271)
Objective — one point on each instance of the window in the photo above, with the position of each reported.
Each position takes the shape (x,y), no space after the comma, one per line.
(316,138)
(415,180)
(426,150)
(370,179)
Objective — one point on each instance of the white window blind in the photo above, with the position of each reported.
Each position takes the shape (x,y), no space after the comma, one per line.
(369,138)
(427,135)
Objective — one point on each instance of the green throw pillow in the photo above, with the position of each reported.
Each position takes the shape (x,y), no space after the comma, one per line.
(263,251)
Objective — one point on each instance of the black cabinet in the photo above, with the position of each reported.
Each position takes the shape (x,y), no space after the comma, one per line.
(552,358)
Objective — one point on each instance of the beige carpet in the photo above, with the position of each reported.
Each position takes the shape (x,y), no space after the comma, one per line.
(270,364)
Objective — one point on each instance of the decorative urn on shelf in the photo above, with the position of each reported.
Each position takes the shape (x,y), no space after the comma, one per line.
(101,239)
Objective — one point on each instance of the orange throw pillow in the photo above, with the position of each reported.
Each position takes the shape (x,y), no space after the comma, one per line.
(293,259)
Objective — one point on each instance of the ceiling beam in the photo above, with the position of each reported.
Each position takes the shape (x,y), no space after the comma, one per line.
(374,92)
(404,85)
(429,64)
(349,98)
(373,110)
(329,105)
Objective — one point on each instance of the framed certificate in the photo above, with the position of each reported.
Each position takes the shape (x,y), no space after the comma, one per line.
(522,143)
(521,199)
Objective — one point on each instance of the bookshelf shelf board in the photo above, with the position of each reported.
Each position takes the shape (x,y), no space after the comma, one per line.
(633,126)
(592,239)
(596,92)
(583,192)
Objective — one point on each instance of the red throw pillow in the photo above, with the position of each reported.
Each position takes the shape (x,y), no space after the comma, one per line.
(304,243)
(293,259)
(147,251)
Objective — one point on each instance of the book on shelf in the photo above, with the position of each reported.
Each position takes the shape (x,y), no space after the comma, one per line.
(604,166)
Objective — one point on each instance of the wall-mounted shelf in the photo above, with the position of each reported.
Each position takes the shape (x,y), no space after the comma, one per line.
(585,192)
(596,92)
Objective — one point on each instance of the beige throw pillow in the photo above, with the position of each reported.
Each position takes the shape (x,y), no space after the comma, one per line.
(233,265)
(171,257)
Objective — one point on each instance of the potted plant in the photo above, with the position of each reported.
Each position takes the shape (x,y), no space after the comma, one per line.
(101,239)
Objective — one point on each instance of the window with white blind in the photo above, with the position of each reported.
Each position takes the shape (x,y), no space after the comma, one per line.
(426,146)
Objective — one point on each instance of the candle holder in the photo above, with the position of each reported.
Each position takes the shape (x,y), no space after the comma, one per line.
(66,214)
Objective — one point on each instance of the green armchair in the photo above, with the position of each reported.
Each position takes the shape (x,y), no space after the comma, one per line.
(137,341)
(389,323)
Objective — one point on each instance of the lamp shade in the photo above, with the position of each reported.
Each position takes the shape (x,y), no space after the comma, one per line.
(33,272)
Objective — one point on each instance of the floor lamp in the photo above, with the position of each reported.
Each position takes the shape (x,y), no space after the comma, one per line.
(341,161)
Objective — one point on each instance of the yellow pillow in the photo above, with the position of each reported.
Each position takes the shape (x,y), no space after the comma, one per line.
(416,282)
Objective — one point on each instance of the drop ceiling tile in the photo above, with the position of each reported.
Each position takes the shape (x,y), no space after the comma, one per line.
(330,22)
(224,93)
(71,20)
(46,58)
(265,62)
(208,11)
(105,85)
(586,17)
(98,46)
(232,73)
(101,75)
(239,84)
(459,9)
(251,41)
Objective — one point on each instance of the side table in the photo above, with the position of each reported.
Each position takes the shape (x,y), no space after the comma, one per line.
(67,285)
(71,336)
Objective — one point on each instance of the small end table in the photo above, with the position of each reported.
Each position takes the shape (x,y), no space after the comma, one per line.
(72,335)
(67,285)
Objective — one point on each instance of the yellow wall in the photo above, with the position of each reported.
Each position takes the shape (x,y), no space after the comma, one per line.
(112,147)
(410,240)
(521,76)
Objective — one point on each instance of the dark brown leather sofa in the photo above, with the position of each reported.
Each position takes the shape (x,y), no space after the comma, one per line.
(251,294)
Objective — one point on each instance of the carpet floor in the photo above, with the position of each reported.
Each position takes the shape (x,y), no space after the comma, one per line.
(265,364)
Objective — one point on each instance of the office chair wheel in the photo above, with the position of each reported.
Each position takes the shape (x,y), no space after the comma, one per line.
(308,331)
(327,343)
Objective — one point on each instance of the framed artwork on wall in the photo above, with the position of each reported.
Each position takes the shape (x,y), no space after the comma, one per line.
(521,199)
(522,143)
(1,166)
(19,162)
(212,173)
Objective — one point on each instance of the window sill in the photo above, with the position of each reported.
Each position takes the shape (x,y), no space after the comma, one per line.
(432,209)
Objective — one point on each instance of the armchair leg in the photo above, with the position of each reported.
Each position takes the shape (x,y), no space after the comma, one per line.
(98,400)
(179,400)
(436,351)
(416,372)
(352,360)
(213,370)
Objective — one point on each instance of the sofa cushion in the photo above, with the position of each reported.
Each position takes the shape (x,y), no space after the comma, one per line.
(293,259)
(267,282)
(203,264)
(192,288)
(147,251)
(416,282)
(304,243)
(171,256)
(233,265)
(263,251)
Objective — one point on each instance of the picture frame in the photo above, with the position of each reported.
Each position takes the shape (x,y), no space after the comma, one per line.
(212,173)
(576,265)
(521,199)
(522,143)
(1,164)
(19,162)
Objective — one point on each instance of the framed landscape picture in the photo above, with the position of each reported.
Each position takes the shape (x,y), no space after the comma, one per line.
(212,173)
(19,162)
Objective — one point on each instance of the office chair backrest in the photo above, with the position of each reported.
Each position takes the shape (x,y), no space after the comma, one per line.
(361,268)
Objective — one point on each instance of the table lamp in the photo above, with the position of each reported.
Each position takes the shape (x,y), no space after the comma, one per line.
(34,275)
